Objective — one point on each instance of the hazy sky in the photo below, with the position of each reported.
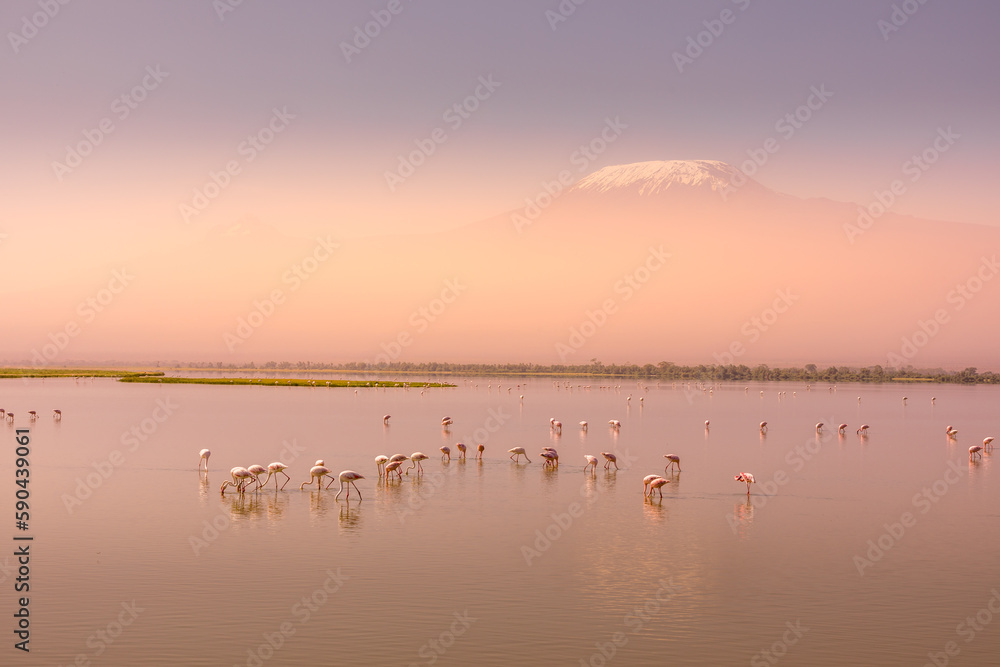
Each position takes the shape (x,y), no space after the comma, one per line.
(117,114)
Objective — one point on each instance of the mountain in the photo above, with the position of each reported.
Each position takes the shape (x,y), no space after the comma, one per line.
(683,260)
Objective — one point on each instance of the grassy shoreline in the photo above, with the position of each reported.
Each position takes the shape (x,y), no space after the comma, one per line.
(282,382)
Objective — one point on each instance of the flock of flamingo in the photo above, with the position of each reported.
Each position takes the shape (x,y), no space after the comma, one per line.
(32,415)
(248,479)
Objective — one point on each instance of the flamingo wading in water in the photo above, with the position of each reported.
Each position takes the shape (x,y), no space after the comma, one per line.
(610,458)
(348,477)
(203,455)
(517,452)
(673,460)
(745,477)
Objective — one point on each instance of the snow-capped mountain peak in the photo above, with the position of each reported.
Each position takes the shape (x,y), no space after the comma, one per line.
(656,177)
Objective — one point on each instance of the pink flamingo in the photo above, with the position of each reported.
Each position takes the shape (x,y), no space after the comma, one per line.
(819,427)
(863,430)
(348,477)
(658,485)
(385,419)
(518,451)
(611,458)
(706,424)
(461,449)
(273,470)
(393,467)
(674,460)
(763,427)
(645,481)
(745,477)
(240,478)
(551,458)
(415,459)
(446,453)
(988,444)
(952,432)
(591,463)
(317,473)
(257,471)
(203,455)
(480,449)
(975,450)
(842,428)
(583,426)
(380,462)
(32,415)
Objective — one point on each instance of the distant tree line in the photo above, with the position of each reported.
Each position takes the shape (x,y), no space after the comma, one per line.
(664,370)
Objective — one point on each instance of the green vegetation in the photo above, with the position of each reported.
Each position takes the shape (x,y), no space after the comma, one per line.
(282,382)
(664,371)
(72,373)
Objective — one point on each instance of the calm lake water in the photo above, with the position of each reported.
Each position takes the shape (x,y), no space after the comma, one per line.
(882,550)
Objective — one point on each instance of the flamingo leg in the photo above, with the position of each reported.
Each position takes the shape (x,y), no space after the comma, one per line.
(358,490)
(287,480)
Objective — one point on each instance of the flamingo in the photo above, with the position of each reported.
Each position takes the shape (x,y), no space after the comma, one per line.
(988,444)
(557,426)
(645,481)
(706,424)
(615,424)
(480,448)
(348,477)
(517,452)
(380,462)
(842,428)
(611,458)
(461,448)
(415,459)
(257,471)
(819,427)
(32,415)
(316,472)
(674,460)
(385,419)
(657,484)
(240,478)
(274,469)
(446,422)
(551,458)
(393,466)
(397,458)
(203,456)
(763,427)
(745,477)
(591,463)
(863,430)
(583,426)
(952,432)
(446,453)
(975,450)
(10,416)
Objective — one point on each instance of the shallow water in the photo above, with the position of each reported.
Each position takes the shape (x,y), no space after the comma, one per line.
(493,562)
